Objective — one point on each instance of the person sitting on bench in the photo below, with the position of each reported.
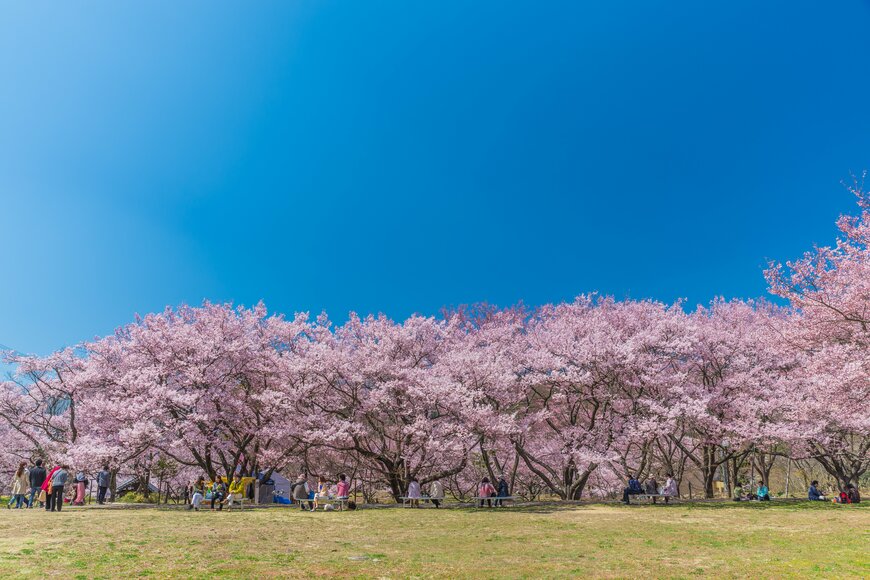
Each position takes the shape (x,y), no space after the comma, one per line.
(484,491)
(670,489)
(651,487)
(633,488)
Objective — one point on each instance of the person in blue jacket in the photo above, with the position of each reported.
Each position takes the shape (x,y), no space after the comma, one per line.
(634,488)
(814,494)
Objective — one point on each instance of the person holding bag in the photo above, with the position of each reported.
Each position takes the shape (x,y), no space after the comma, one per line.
(58,481)
(45,493)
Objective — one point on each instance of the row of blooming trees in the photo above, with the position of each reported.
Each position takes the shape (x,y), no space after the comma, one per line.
(565,399)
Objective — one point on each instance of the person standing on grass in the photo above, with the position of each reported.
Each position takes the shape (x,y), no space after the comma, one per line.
(218,493)
(670,489)
(81,484)
(436,492)
(20,485)
(104,479)
(46,487)
(415,494)
(37,478)
(633,488)
(485,492)
(58,481)
(503,490)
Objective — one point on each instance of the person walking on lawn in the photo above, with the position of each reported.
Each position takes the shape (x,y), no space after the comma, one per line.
(104,479)
(37,478)
(58,480)
(46,487)
(20,484)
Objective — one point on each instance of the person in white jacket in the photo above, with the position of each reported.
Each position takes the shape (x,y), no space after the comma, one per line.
(20,485)
(670,488)
(436,493)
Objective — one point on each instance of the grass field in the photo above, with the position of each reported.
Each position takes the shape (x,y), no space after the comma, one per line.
(723,540)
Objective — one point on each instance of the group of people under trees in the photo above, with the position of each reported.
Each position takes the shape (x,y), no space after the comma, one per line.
(741,492)
(48,488)
(218,492)
(848,495)
(650,488)
(302,493)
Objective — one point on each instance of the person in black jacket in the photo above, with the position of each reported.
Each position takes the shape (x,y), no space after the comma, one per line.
(37,478)
(502,490)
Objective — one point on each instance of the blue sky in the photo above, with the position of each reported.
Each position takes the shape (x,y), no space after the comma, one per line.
(398,157)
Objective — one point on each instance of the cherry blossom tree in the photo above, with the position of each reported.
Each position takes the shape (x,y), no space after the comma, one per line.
(830,287)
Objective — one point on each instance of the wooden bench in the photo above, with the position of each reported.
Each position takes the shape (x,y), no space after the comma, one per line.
(651,496)
(341,500)
(479,501)
(408,501)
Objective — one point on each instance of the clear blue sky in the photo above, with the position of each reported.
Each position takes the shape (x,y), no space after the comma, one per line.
(401,156)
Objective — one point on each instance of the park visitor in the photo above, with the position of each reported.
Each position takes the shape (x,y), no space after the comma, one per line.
(738,492)
(633,488)
(670,489)
(322,491)
(58,481)
(236,491)
(81,482)
(37,478)
(198,492)
(301,492)
(763,493)
(415,494)
(20,485)
(218,493)
(45,489)
(436,493)
(813,494)
(485,491)
(502,490)
(343,487)
(104,479)
(853,495)
(651,487)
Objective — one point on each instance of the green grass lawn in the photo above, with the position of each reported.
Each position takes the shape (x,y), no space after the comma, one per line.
(725,540)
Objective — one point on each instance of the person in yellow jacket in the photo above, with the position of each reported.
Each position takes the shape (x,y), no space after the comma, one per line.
(236,491)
